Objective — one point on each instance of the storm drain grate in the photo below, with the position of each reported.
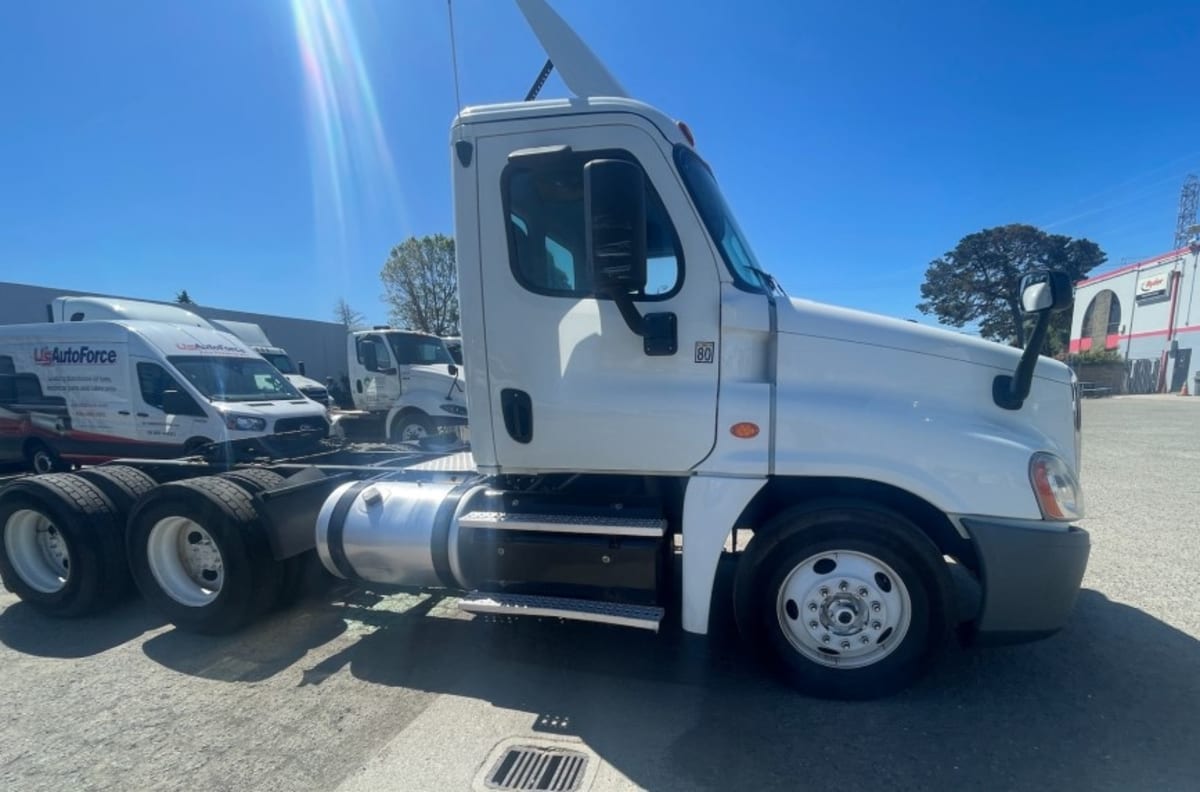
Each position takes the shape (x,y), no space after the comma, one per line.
(526,767)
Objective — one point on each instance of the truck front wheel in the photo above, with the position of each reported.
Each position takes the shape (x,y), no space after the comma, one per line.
(411,427)
(847,603)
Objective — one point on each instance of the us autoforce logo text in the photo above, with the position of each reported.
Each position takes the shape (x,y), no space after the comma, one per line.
(197,347)
(78,356)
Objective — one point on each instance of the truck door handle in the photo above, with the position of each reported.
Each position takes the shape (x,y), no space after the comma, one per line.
(517,408)
(122,412)
(143,415)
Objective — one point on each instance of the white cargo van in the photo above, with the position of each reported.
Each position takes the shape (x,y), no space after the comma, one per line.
(80,309)
(256,338)
(90,391)
(409,377)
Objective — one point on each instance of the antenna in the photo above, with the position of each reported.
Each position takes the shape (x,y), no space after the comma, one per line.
(1189,201)
(453,55)
(543,75)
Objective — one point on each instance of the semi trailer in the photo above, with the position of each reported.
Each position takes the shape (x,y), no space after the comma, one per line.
(628,431)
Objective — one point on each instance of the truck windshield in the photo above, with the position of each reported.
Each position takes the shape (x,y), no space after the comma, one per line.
(280,361)
(719,220)
(234,379)
(419,350)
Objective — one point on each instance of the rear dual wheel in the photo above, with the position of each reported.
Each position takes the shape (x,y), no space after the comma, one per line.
(200,555)
(61,549)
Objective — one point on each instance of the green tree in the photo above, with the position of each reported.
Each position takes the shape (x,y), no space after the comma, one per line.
(420,285)
(182,298)
(978,281)
(346,315)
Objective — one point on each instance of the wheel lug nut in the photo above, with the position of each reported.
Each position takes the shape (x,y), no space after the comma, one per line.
(875,606)
(824,591)
(875,625)
(812,606)
(825,639)
(813,624)
(865,639)
(843,585)
(845,644)
(862,592)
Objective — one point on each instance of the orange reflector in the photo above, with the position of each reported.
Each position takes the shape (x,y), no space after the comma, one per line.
(744,430)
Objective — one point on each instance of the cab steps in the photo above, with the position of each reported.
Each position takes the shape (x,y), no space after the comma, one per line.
(646,617)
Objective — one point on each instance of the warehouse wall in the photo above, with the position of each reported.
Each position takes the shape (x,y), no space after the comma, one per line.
(1141,333)
(321,345)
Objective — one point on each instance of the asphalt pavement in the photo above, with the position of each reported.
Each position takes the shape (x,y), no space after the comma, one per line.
(357,690)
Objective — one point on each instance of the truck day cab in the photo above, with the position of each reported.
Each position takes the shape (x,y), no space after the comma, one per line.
(637,386)
(408,380)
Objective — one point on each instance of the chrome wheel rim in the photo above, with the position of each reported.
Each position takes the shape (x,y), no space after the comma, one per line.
(413,431)
(844,609)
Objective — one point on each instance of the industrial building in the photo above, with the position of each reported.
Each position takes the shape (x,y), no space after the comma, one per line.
(320,345)
(1149,313)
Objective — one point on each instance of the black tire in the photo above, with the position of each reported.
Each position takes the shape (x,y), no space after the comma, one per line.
(43,459)
(414,418)
(123,485)
(787,542)
(88,526)
(225,511)
(254,480)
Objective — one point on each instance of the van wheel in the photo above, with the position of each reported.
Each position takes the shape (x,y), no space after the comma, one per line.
(43,459)
(411,427)
(61,550)
(200,556)
(845,602)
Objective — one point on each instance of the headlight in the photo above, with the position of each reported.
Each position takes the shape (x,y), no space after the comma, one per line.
(245,423)
(455,409)
(1055,487)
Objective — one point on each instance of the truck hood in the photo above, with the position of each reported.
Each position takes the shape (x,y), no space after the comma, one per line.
(818,320)
(436,378)
(294,408)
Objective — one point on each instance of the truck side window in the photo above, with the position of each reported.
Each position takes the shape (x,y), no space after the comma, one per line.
(543,199)
(382,356)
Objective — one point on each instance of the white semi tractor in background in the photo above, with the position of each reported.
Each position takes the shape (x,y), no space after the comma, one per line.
(625,430)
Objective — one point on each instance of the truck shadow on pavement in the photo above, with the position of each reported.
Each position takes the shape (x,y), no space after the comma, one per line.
(1111,702)
(25,630)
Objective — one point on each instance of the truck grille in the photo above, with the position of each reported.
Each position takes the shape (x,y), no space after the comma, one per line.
(319,395)
(314,424)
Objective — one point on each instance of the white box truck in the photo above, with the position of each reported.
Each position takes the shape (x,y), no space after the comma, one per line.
(642,395)
(92,391)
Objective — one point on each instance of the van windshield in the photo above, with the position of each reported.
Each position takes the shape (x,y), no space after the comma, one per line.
(280,361)
(234,379)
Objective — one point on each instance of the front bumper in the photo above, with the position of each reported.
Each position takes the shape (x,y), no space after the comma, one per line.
(1030,577)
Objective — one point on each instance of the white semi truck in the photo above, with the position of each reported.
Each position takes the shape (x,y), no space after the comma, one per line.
(627,430)
(407,380)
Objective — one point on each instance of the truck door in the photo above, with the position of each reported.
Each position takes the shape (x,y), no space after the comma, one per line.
(570,386)
(376,376)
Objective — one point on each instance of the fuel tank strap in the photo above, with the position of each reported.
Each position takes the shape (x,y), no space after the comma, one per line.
(439,541)
(337,526)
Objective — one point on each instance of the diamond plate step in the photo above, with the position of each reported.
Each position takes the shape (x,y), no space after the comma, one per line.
(646,617)
(563,523)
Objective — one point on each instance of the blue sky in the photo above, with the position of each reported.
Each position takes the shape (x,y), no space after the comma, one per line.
(152,145)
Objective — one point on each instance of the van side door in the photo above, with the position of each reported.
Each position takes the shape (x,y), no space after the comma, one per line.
(156,427)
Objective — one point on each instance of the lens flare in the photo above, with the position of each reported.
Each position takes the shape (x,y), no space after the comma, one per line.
(352,166)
